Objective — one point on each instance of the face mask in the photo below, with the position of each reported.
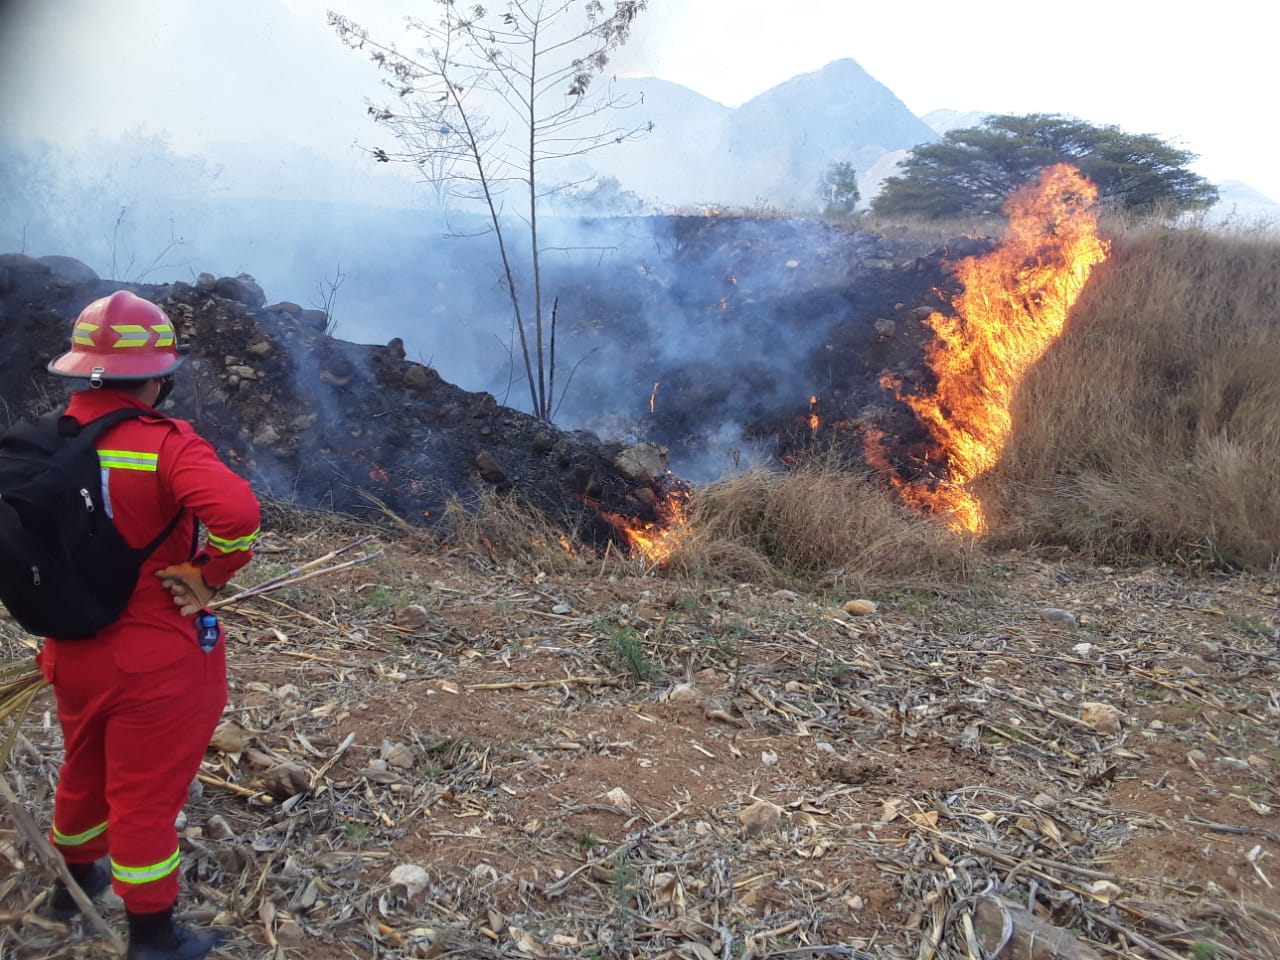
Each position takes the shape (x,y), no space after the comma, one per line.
(166,388)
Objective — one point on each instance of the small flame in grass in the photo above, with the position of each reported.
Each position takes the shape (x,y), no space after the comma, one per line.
(656,540)
(1014,306)
(814,420)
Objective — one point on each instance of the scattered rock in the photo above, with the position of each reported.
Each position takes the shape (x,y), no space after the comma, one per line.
(1103,717)
(489,468)
(1105,890)
(683,693)
(412,877)
(266,436)
(644,461)
(241,287)
(760,817)
(285,780)
(620,799)
(230,737)
(1005,931)
(218,828)
(1057,615)
(417,377)
(397,755)
(412,617)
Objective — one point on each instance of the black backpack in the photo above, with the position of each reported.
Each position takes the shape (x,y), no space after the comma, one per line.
(65,571)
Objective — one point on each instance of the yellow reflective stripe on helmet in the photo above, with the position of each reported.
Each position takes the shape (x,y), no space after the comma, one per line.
(76,839)
(155,871)
(234,546)
(83,333)
(164,334)
(131,335)
(128,460)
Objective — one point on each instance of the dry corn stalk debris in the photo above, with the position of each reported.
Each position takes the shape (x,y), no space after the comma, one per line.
(680,769)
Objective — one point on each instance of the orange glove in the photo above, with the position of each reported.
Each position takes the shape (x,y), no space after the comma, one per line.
(185,583)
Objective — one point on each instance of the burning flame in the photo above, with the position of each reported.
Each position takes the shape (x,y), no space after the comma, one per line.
(656,541)
(814,421)
(1014,305)
(653,397)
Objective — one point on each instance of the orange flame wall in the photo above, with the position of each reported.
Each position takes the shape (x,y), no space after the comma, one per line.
(1014,305)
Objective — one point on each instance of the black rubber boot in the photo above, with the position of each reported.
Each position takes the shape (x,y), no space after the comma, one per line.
(155,936)
(94,878)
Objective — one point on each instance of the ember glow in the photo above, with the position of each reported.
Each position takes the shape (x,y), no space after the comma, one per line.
(1014,306)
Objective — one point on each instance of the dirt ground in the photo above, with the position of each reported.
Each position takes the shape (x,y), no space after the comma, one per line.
(579,758)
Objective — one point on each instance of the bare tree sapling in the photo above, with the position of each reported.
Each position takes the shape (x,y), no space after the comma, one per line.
(490,99)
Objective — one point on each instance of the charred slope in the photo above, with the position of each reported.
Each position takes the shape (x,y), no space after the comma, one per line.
(712,334)
(320,421)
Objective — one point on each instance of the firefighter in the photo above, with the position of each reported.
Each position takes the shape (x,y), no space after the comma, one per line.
(138,702)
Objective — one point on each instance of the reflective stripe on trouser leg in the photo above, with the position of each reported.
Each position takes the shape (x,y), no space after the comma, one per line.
(148,874)
(77,839)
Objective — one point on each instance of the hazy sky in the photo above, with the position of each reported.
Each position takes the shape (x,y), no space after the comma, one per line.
(1205,81)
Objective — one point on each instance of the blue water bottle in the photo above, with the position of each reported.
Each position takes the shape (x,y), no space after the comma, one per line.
(207,630)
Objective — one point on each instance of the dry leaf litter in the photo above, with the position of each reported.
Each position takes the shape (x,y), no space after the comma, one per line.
(439,754)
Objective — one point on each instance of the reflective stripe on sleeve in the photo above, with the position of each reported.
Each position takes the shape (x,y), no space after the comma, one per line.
(236,545)
(77,839)
(128,460)
(155,871)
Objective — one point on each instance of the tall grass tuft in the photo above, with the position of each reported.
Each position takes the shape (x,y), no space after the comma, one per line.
(1152,428)
(816,517)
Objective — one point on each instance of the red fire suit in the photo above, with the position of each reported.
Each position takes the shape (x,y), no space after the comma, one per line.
(139,701)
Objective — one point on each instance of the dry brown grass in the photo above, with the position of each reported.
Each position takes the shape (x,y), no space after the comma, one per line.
(1152,429)
(502,527)
(810,520)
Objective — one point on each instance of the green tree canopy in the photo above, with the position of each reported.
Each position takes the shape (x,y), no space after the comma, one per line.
(971,172)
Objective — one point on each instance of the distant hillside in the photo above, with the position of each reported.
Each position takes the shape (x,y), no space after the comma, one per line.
(1241,205)
(676,162)
(771,149)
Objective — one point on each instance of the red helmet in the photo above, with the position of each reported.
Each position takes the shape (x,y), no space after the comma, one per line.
(120,337)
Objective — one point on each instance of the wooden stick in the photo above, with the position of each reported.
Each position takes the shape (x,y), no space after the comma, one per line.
(213,781)
(294,572)
(532,684)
